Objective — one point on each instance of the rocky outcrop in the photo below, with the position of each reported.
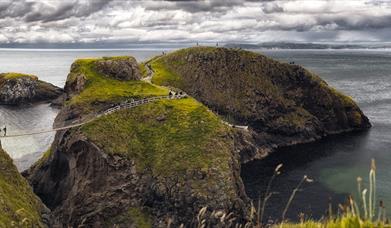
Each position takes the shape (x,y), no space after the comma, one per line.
(83,185)
(284,104)
(16,89)
(121,68)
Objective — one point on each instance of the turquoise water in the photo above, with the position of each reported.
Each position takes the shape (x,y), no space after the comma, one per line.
(336,162)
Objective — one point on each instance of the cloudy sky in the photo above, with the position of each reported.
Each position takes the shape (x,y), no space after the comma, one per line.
(91,21)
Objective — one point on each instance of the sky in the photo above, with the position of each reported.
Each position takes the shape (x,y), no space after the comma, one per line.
(226,21)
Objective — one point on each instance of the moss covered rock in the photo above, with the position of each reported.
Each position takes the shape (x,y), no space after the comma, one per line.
(284,104)
(17,88)
(19,207)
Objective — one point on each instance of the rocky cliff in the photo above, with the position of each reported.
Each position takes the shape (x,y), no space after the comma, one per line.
(160,163)
(283,104)
(16,89)
(152,165)
(19,207)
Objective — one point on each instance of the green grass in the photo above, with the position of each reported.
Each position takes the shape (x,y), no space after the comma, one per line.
(18,205)
(164,76)
(134,216)
(143,70)
(13,75)
(169,136)
(347,221)
(100,88)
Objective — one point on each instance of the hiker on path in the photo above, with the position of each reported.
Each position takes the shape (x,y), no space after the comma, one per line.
(5,130)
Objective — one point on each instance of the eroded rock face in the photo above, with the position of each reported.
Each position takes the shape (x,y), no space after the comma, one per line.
(20,90)
(124,68)
(29,89)
(82,185)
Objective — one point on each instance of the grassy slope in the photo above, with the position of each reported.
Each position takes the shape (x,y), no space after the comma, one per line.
(169,137)
(100,88)
(18,204)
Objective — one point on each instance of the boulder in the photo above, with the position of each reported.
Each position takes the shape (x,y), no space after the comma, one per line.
(121,68)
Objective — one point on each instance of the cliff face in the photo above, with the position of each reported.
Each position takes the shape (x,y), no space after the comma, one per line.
(18,89)
(283,104)
(149,165)
(19,207)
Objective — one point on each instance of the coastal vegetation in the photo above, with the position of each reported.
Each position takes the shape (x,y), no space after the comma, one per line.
(19,206)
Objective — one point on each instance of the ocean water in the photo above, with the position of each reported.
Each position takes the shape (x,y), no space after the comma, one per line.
(333,163)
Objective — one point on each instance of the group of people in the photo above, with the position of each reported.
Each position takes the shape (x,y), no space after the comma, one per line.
(173,93)
(4,131)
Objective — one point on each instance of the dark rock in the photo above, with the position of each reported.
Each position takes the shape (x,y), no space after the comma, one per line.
(16,89)
(121,68)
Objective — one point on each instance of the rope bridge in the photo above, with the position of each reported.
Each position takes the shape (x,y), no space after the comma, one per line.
(126,105)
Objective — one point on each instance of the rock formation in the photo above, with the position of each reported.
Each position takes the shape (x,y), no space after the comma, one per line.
(16,89)
(122,68)
(284,104)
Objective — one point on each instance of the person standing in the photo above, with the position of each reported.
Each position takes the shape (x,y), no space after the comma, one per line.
(5,130)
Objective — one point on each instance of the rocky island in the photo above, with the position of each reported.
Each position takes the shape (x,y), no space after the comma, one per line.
(18,88)
(160,163)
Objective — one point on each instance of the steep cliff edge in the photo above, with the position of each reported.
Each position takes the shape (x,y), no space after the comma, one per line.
(149,165)
(17,88)
(19,207)
(283,104)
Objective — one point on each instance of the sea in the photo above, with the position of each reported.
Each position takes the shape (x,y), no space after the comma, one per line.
(333,164)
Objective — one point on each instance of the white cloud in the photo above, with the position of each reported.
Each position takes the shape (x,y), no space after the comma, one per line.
(27,21)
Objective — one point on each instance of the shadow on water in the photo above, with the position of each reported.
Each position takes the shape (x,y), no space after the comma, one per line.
(309,159)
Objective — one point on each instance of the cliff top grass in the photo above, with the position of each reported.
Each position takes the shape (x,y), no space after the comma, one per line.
(100,88)
(19,207)
(13,75)
(168,136)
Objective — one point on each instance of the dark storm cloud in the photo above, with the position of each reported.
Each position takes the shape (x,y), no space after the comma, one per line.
(14,9)
(209,20)
(78,8)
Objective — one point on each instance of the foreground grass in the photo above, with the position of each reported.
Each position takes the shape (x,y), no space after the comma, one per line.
(344,222)
(19,207)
